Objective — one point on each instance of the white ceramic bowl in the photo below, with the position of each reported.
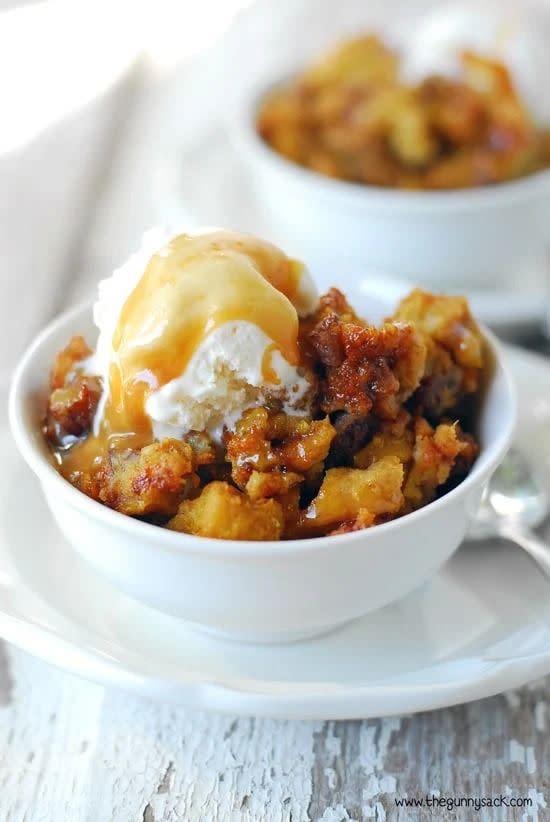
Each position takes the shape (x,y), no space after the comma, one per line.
(459,238)
(258,591)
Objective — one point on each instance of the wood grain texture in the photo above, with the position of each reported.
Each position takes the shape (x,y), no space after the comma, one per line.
(73,751)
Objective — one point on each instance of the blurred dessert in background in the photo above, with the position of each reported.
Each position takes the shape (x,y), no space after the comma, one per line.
(225,399)
(444,114)
(516,34)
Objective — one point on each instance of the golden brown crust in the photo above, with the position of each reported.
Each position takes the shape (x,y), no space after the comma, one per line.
(383,437)
(71,409)
(223,512)
(454,350)
(73,397)
(434,456)
(347,493)
(429,455)
(152,480)
(266,442)
(363,368)
(271,483)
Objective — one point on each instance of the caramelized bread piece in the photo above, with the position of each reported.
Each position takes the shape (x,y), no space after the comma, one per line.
(265,442)
(454,350)
(223,512)
(152,480)
(347,493)
(363,368)
(74,397)
(71,409)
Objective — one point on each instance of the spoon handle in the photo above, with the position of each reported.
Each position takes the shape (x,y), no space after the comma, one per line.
(521,535)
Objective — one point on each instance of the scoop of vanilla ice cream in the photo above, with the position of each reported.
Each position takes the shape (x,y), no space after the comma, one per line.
(226,373)
(223,379)
(513,33)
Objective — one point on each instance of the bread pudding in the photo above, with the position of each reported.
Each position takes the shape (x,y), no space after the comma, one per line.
(353,116)
(226,399)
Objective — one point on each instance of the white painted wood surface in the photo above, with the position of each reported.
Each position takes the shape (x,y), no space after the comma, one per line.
(70,750)
(71,205)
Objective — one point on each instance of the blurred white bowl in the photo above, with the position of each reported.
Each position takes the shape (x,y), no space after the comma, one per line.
(487,234)
(256,591)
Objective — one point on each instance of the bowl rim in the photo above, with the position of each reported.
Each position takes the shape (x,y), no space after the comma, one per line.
(242,124)
(27,439)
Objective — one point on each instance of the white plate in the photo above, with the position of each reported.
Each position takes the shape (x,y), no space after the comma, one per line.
(205,184)
(481,626)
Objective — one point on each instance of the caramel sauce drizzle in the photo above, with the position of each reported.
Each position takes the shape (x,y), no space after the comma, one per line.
(190,287)
(268,372)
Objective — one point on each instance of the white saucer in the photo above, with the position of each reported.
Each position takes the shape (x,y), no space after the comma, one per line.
(205,184)
(480,627)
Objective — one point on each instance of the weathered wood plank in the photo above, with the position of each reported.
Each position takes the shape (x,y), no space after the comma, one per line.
(71,750)
(488,747)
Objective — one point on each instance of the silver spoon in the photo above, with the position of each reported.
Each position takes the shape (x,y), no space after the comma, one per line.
(514,502)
